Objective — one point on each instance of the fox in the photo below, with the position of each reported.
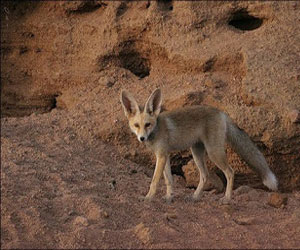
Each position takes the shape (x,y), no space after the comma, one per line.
(202,128)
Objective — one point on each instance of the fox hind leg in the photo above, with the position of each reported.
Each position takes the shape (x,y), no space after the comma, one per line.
(198,152)
(218,156)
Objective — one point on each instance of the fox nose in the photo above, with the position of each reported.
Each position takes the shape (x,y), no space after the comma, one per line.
(142,138)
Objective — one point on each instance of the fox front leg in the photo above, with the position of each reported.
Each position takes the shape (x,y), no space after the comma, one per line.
(161,161)
(168,181)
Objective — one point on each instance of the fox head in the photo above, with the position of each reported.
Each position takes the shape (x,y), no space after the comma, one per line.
(142,122)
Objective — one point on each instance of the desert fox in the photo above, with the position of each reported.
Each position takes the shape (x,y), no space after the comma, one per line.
(201,128)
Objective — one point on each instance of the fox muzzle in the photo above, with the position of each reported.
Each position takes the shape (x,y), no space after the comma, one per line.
(142,138)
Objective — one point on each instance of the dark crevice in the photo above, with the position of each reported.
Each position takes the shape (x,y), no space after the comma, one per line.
(165,5)
(40,105)
(177,161)
(242,20)
(18,8)
(87,6)
(148,4)
(53,102)
(208,65)
(121,9)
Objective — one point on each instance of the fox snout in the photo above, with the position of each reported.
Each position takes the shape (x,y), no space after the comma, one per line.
(142,138)
(141,134)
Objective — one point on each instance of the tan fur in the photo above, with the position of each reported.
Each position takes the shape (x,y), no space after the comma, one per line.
(201,128)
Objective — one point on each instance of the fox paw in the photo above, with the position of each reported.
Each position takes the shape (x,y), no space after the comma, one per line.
(168,199)
(145,198)
(192,198)
(224,201)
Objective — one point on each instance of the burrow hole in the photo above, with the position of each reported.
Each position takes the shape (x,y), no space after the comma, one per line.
(135,62)
(242,20)
(53,101)
(87,6)
(165,5)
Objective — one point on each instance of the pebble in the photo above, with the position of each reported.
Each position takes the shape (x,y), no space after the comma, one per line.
(80,220)
(170,216)
(294,116)
(105,214)
(277,200)
(244,221)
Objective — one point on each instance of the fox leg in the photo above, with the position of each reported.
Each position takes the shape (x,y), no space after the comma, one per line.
(168,181)
(161,161)
(198,152)
(218,156)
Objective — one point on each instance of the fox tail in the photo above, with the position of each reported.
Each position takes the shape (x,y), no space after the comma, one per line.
(245,148)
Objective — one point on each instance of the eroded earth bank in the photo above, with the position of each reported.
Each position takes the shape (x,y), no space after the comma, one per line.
(72,172)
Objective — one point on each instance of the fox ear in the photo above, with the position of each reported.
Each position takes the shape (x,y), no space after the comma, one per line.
(129,104)
(153,104)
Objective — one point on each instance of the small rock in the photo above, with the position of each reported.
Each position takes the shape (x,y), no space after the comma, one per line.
(105,214)
(277,200)
(294,116)
(170,216)
(142,232)
(243,221)
(266,136)
(80,220)
(242,190)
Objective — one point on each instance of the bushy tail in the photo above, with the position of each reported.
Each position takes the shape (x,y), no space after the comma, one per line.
(245,148)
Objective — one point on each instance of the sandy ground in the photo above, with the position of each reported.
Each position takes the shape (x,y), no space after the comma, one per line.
(72,177)
(62,187)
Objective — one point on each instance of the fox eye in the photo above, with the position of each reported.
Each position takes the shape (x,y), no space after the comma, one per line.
(147,125)
(136,125)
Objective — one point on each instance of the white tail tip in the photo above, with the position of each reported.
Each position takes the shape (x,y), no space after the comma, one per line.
(270,181)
